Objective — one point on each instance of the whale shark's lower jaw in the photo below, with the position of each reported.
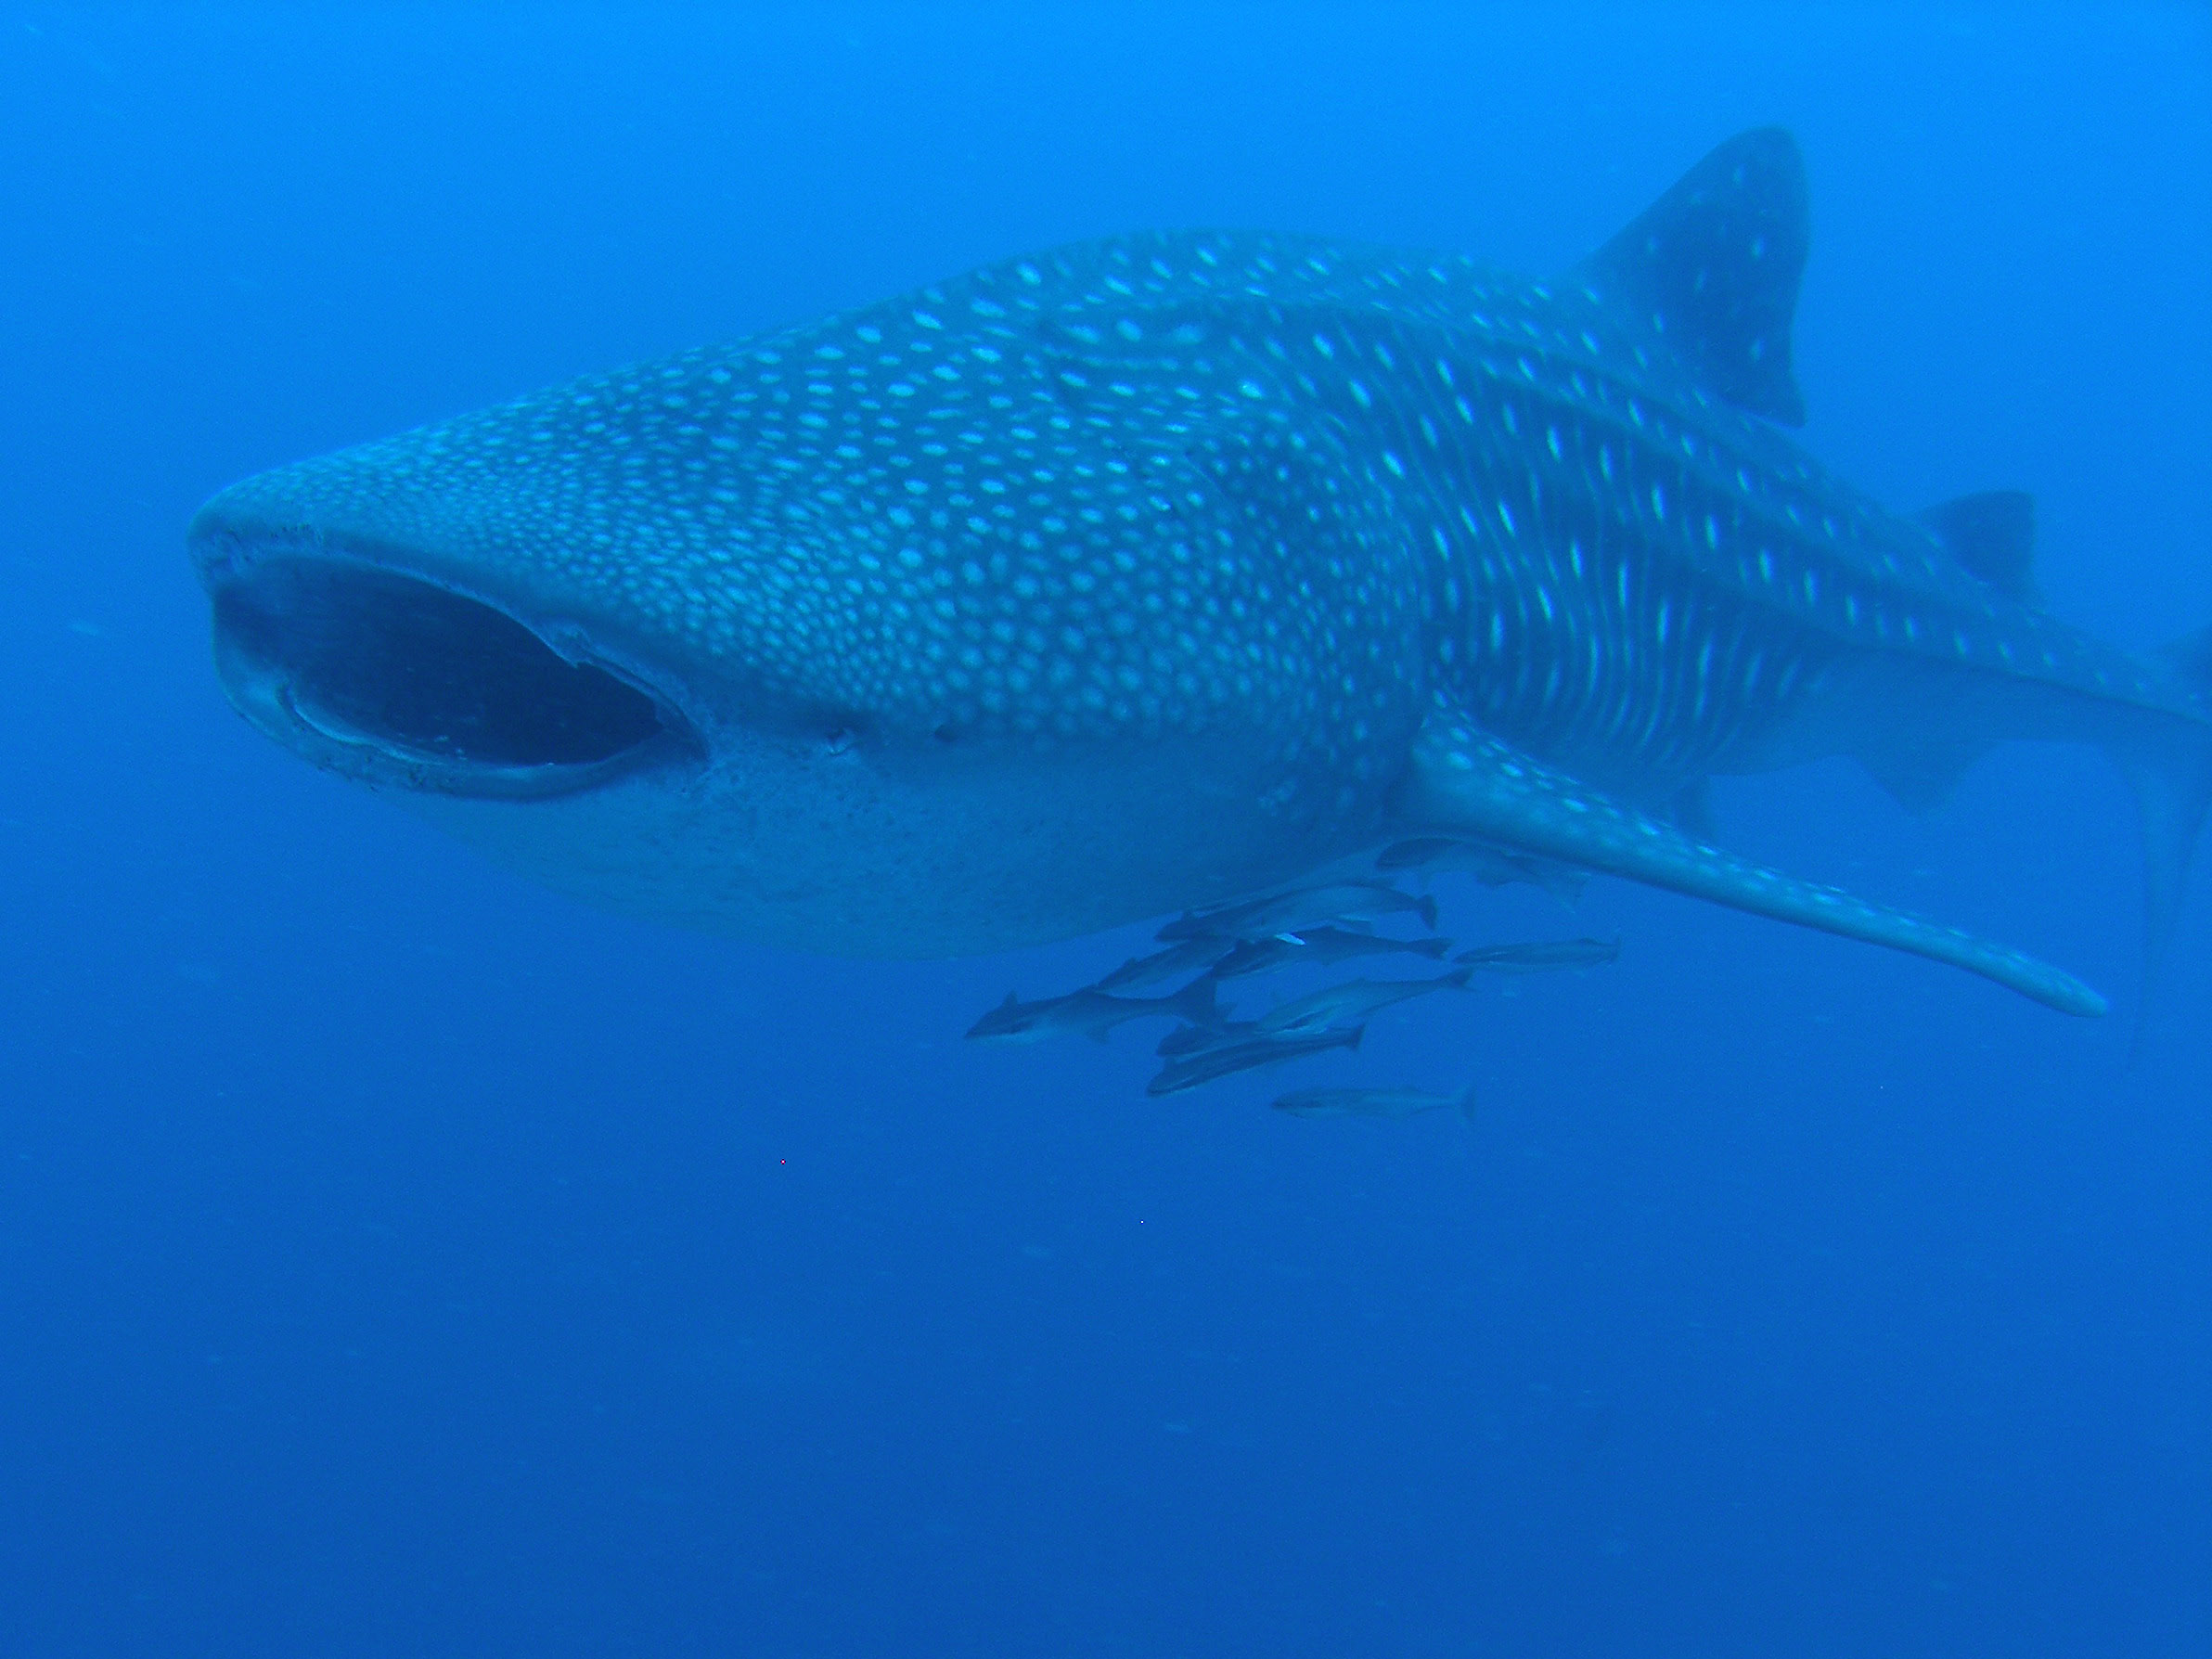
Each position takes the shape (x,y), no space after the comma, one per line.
(396,680)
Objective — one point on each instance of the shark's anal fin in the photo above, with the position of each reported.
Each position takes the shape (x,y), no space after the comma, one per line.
(1693,809)
(1463,779)
(1918,770)
(1993,536)
(1712,266)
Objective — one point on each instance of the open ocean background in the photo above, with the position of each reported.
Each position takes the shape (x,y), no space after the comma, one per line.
(396,1259)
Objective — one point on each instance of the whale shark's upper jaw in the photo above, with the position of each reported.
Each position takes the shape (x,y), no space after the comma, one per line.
(396,679)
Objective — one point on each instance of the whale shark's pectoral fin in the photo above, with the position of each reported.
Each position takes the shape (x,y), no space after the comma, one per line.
(1463,779)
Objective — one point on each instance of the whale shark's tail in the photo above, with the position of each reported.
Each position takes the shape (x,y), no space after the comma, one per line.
(2170,770)
(2166,753)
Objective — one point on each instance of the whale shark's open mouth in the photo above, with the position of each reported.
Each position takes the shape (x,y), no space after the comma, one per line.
(393,679)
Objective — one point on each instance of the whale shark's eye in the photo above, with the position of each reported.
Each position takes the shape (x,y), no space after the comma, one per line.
(371,658)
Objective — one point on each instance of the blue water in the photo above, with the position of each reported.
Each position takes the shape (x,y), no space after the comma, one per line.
(397,1259)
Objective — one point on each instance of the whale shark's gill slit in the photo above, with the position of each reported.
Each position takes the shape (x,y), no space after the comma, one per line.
(376,660)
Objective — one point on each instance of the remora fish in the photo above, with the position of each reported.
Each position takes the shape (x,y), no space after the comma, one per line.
(1091,1013)
(1301,906)
(1546,956)
(1246,1054)
(1317,947)
(1161,569)
(1493,866)
(1190,1040)
(1350,1002)
(1186,956)
(1373,1102)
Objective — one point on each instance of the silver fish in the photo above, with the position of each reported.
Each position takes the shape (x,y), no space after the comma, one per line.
(1090,1012)
(1547,955)
(1186,956)
(1354,1000)
(1317,947)
(1190,1040)
(1245,1054)
(1493,866)
(1302,906)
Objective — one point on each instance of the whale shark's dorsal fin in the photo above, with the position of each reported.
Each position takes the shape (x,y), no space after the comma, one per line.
(1713,263)
(1993,534)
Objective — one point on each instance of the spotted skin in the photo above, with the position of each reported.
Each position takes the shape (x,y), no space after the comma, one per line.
(1150,571)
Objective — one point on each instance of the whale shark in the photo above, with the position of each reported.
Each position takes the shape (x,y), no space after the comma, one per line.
(1160,571)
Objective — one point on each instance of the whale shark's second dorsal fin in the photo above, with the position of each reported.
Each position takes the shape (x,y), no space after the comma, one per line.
(1712,266)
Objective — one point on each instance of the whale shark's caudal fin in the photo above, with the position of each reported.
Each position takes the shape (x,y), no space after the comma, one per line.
(1713,264)
(2172,776)
(1463,779)
(2189,659)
